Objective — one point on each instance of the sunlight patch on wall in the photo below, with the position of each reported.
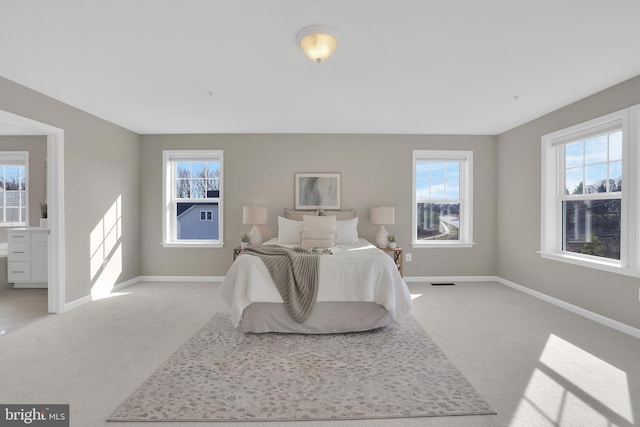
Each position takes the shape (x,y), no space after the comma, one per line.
(105,262)
(569,379)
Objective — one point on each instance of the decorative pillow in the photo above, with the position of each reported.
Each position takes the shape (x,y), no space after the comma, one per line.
(297,215)
(347,231)
(318,235)
(318,239)
(320,243)
(318,231)
(289,230)
(319,223)
(340,215)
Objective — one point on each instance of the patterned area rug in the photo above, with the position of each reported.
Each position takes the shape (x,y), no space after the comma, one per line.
(222,374)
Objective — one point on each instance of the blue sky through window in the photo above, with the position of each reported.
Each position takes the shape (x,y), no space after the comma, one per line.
(594,165)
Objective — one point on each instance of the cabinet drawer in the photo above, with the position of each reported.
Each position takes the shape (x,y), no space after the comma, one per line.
(19,236)
(19,252)
(18,271)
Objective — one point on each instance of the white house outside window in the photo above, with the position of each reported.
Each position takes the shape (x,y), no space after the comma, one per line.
(193,198)
(590,191)
(14,193)
(442,194)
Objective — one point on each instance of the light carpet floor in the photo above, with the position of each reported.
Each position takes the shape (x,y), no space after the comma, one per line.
(535,364)
(223,374)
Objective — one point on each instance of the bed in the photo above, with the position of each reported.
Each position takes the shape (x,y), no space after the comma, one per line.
(359,288)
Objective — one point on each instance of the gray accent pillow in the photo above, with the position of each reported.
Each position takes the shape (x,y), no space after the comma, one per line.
(340,215)
(297,215)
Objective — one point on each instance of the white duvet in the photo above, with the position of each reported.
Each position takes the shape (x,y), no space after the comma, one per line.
(356,272)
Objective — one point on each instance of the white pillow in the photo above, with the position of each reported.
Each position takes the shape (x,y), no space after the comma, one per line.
(315,227)
(318,239)
(319,223)
(289,230)
(347,231)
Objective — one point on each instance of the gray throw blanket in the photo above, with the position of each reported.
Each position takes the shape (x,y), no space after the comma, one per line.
(295,273)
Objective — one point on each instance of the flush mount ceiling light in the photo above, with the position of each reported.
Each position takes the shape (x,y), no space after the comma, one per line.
(318,42)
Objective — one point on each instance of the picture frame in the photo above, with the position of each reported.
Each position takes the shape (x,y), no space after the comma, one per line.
(317,190)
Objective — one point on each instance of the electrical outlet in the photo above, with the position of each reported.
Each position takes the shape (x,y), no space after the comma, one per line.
(407,257)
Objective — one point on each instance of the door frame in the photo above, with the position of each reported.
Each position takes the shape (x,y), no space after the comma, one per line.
(55,205)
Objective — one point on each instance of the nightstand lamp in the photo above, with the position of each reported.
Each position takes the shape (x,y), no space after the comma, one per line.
(254,215)
(382,215)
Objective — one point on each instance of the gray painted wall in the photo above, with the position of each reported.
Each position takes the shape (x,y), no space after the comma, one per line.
(375,169)
(519,156)
(100,164)
(104,162)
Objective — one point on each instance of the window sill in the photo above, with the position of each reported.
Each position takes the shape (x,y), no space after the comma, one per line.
(194,245)
(609,266)
(442,245)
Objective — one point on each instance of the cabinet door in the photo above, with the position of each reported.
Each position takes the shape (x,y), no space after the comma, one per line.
(39,262)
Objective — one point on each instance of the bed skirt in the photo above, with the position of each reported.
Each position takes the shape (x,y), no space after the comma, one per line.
(325,318)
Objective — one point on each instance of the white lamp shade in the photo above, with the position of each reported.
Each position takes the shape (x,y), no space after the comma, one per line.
(383,215)
(254,215)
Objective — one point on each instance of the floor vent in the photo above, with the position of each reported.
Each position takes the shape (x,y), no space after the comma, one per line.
(443,284)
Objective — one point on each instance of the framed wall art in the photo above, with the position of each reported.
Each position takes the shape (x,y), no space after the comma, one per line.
(317,190)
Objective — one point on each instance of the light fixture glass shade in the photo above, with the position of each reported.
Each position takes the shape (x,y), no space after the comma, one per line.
(383,215)
(318,42)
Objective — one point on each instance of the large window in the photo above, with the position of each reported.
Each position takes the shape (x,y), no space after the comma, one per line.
(14,195)
(442,208)
(590,191)
(591,205)
(192,198)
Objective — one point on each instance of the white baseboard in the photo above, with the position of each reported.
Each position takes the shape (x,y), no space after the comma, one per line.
(439,279)
(118,287)
(126,284)
(181,278)
(619,326)
(77,303)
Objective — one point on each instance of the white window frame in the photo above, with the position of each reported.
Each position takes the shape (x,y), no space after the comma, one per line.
(169,218)
(18,158)
(208,215)
(551,245)
(465,237)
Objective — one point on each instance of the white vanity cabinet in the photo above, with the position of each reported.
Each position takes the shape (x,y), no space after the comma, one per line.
(28,257)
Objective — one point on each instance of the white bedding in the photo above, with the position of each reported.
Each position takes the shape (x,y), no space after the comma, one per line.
(356,272)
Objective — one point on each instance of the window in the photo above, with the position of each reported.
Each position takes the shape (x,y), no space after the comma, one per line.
(14,193)
(192,198)
(206,215)
(442,194)
(590,192)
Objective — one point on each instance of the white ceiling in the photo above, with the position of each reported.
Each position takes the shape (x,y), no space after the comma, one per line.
(403,66)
